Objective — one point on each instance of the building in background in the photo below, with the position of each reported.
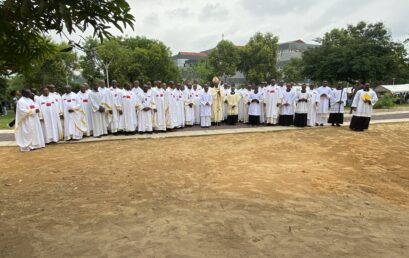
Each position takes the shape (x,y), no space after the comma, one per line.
(186,59)
(285,52)
(292,49)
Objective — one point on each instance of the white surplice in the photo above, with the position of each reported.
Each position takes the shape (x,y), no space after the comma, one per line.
(145,118)
(313,104)
(188,98)
(288,98)
(196,99)
(86,107)
(160,115)
(50,119)
(272,97)
(129,115)
(98,118)
(301,107)
(28,131)
(171,109)
(254,107)
(364,109)
(75,124)
(336,96)
(205,109)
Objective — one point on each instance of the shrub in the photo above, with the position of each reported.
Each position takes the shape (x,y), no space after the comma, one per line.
(385,101)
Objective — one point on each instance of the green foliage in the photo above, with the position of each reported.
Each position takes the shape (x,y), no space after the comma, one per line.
(5,120)
(20,49)
(364,51)
(385,101)
(259,57)
(293,70)
(224,59)
(89,61)
(201,71)
(56,69)
(14,83)
(3,86)
(24,23)
(128,59)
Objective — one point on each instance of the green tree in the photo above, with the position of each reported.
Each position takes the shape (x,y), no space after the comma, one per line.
(128,59)
(58,68)
(293,70)
(259,57)
(224,59)
(88,62)
(364,51)
(24,23)
(203,71)
(109,53)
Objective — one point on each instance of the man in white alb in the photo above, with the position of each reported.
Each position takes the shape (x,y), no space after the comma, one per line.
(324,94)
(50,117)
(28,133)
(205,107)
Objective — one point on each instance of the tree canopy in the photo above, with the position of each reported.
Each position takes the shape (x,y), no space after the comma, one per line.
(259,57)
(293,70)
(128,59)
(58,68)
(224,59)
(364,51)
(24,24)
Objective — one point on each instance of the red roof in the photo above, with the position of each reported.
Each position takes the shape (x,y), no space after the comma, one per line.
(192,54)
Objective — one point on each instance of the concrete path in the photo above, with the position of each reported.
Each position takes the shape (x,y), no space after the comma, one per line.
(7,136)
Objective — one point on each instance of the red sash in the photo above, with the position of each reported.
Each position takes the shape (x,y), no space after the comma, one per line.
(85,100)
(32,106)
(48,104)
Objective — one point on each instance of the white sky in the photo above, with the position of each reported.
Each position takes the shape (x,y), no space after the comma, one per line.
(197,25)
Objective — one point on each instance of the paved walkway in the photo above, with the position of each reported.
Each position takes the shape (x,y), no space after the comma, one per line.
(7,136)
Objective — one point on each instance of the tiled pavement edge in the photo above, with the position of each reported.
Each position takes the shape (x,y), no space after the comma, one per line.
(176,134)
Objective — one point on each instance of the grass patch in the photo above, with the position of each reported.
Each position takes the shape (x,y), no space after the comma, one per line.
(4,120)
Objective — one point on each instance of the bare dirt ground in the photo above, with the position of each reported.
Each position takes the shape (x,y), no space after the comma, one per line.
(311,193)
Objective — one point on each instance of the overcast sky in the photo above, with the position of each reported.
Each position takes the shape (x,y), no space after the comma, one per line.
(197,25)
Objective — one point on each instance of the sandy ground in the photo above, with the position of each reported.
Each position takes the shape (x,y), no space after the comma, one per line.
(312,193)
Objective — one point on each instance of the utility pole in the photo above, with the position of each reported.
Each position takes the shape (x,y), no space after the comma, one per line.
(106,72)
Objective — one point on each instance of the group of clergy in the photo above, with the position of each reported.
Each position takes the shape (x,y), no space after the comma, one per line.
(161,107)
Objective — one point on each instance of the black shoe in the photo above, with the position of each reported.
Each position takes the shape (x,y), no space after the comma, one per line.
(338,125)
(321,124)
(12,123)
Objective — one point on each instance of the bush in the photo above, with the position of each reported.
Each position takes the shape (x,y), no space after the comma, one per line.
(386,101)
